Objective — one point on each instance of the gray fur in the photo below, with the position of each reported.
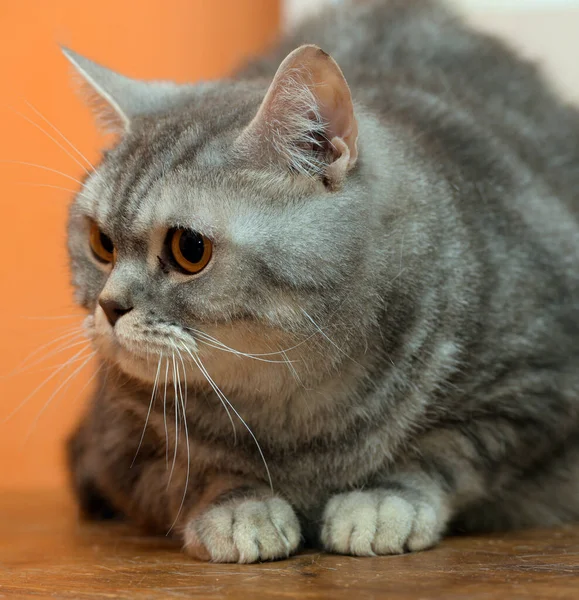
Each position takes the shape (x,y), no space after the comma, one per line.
(444,276)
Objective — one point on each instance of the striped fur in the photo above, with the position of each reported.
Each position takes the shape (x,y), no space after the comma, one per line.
(429,307)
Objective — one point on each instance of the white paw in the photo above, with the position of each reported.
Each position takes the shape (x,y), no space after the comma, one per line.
(244,531)
(379,522)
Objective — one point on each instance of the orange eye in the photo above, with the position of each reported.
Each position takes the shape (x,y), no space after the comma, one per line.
(191,250)
(101,244)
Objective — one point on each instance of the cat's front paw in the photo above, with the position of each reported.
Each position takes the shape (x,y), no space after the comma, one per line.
(244,531)
(375,522)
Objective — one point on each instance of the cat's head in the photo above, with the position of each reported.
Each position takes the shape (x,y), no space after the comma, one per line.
(229,218)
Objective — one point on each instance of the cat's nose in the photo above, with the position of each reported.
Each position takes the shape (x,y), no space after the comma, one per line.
(113,310)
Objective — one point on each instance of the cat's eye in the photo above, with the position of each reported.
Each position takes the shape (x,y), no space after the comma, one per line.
(101,244)
(190,249)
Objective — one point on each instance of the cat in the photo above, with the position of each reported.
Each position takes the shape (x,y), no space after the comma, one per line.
(335,297)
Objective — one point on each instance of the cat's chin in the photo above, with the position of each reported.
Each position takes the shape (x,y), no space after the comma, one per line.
(139,363)
(141,368)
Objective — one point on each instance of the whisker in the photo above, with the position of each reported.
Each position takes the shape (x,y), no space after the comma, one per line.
(165,414)
(55,392)
(328,338)
(54,128)
(89,380)
(237,353)
(176,421)
(218,345)
(149,411)
(293,371)
(217,392)
(39,387)
(45,318)
(204,371)
(69,332)
(66,345)
(54,187)
(44,168)
(184,371)
(183,405)
(52,138)
(67,361)
(252,355)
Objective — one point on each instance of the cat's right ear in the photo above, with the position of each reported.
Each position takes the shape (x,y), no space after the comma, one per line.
(117,99)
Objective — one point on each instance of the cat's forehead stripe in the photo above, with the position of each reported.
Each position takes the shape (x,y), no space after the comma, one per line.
(146,163)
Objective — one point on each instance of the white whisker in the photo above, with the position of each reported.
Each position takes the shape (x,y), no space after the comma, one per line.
(327,337)
(149,411)
(54,187)
(251,355)
(54,128)
(55,392)
(66,345)
(165,414)
(39,387)
(89,380)
(217,392)
(214,385)
(49,318)
(293,371)
(176,403)
(218,345)
(183,406)
(29,164)
(71,332)
(48,135)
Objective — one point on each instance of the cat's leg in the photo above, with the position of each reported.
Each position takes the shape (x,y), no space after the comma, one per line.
(218,516)
(449,471)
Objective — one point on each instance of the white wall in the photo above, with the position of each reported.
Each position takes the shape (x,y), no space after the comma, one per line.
(515,4)
(296,8)
(544,30)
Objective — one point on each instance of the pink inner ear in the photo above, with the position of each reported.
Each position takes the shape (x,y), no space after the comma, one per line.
(284,108)
(334,100)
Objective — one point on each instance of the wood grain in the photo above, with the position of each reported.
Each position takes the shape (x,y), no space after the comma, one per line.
(45,553)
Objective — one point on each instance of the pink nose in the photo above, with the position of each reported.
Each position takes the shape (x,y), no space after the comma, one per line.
(114,310)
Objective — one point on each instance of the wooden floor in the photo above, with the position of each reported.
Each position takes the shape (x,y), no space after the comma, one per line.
(44,553)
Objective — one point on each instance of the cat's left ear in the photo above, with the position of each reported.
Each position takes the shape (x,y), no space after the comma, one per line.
(306,119)
(118,99)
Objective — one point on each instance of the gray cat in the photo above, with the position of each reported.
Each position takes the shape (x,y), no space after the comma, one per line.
(341,318)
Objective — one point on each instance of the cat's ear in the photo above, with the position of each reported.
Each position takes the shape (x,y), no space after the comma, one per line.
(307,118)
(118,99)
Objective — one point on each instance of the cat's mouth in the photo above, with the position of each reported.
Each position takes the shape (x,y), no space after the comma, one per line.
(159,351)
(137,348)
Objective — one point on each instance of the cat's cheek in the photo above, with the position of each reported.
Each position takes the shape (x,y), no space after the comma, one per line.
(130,364)
(139,369)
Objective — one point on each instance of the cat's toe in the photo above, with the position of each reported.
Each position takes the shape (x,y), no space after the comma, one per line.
(244,531)
(378,522)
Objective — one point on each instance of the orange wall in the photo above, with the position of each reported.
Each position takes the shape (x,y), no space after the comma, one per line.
(183,40)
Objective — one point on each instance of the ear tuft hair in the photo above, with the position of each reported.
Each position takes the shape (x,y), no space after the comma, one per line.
(306,119)
(300,134)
